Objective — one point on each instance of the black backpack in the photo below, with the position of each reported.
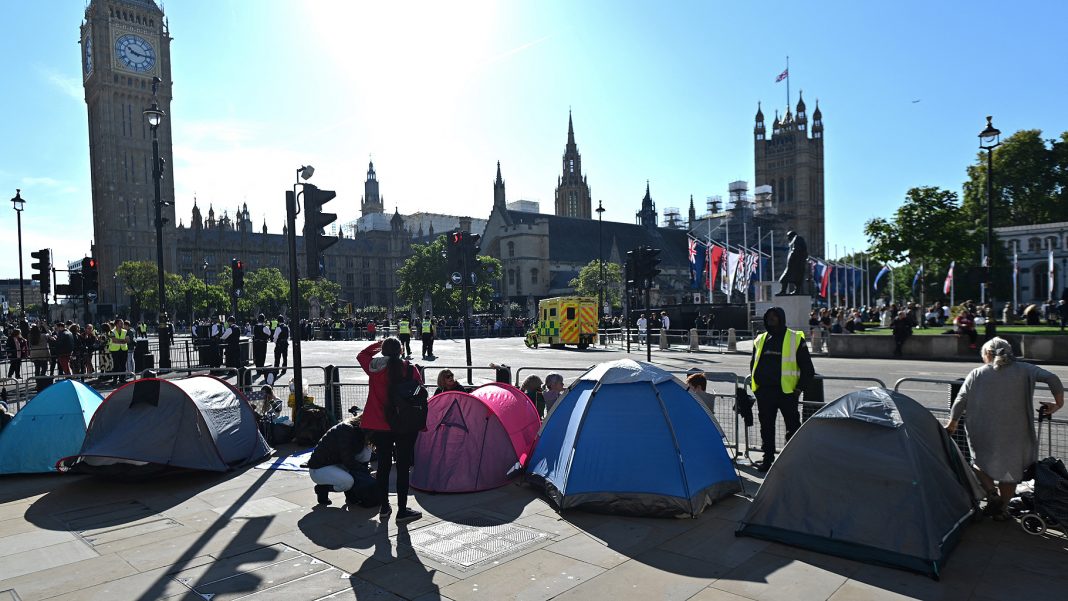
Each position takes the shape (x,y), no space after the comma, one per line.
(408,408)
(314,422)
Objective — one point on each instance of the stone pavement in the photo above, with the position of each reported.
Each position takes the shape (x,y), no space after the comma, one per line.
(254,534)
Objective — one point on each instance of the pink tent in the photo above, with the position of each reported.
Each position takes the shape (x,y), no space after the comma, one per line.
(473,440)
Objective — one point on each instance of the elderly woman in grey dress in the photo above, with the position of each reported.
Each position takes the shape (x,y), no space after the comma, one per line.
(998,398)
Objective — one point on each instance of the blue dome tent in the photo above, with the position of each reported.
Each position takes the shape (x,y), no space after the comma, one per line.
(50,427)
(628,438)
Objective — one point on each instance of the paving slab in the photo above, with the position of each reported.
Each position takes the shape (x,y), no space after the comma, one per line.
(770,577)
(43,558)
(535,576)
(144,586)
(657,574)
(408,578)
(50,582)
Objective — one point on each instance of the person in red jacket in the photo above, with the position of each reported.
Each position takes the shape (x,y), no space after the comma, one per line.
(382,371)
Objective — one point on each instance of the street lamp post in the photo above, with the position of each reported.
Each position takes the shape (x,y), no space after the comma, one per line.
(155,116)
(600,264)
(989,139)
(19,204)
(304,172)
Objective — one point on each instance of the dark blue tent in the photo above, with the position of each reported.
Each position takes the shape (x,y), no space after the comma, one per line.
(629,438)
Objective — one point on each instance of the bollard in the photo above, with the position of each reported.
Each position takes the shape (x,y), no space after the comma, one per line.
(663,339)
(694,340)
(332,402)
(817,341)
(813,399)
(961,435)
(732,340)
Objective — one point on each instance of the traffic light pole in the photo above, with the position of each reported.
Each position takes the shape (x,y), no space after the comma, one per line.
(294,302)
(467,312)
(648,328)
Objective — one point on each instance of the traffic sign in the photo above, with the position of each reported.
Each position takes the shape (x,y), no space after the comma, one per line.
(457,278)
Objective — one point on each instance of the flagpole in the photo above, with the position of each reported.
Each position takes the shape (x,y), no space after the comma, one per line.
(1015,279)
(982,286)
(893,300)
(787,82)
(923,297)
(772,253)
(952,286)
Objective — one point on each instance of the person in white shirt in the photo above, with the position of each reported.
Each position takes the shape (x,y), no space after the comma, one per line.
(643,329)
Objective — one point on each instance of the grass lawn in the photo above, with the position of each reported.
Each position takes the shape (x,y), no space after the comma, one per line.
(1030,330)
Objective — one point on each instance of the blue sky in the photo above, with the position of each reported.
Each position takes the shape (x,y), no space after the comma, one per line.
(438,92)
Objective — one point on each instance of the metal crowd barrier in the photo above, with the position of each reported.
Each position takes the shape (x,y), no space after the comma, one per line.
(1058,429)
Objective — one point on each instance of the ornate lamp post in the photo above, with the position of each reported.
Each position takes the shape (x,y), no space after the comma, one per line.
(989,139)
(19,204)
(154,116)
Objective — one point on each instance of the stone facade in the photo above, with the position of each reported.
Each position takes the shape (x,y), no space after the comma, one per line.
(124,44)
(1031,244)
(791,162)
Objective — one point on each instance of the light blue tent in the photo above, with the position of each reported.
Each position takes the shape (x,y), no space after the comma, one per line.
(50,427)
(628,438)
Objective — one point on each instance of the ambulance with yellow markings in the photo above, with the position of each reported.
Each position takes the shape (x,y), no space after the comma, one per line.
(567,320)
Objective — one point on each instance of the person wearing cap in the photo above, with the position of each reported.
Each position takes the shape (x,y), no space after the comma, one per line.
(998,398)
(781,369)
(261,334)
(280,336)
(231,337)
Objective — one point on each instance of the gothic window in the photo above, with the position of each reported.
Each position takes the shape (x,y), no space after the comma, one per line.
(366,263)
(790,189)
(1034,245)
(511,277)
(511,249)
(571,165)
(366,280)
(533,276)
(1052,242)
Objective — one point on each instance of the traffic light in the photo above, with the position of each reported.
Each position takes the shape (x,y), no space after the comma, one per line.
(237,270)
(90,276)
(44,269)
(315,220)
(630,269)
(472,246)
(454,253)
(650,265)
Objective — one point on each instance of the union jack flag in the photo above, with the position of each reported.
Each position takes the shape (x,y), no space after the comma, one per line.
(783,75)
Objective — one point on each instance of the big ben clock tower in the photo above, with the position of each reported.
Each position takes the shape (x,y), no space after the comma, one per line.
(124,45)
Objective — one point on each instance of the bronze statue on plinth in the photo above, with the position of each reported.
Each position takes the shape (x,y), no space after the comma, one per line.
(796,266)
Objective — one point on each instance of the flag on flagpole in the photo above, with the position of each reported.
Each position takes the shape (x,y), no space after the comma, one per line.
(885,270)
(1051,273)
(825,283)
(1015,275)
(949,278)
(725,283)
(916,278)
(715,257)
(785,73)
(697,263)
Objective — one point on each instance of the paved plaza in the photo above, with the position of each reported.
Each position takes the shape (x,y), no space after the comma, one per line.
(256,534)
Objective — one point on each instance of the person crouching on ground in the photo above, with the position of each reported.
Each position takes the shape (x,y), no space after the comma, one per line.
(339,459)
(384,372)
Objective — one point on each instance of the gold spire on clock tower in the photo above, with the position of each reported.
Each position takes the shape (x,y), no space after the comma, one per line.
(124,44)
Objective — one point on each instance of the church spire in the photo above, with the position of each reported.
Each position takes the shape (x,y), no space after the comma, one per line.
(693,211)
(570,130)
(647,216)
(499,199)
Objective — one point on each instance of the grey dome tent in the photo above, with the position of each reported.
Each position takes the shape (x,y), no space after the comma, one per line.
(153,425)
(872,476)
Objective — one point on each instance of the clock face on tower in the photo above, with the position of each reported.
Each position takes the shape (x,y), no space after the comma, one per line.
(87,50)
(135,53)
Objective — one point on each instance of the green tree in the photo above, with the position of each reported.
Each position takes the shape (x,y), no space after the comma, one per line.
(267,290)
(927,229)
(588,281)
(423,273)
(207,299)
(139,281)
(1030,182)
(323,291)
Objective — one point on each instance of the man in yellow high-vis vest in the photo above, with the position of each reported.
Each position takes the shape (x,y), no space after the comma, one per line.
(781,369)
